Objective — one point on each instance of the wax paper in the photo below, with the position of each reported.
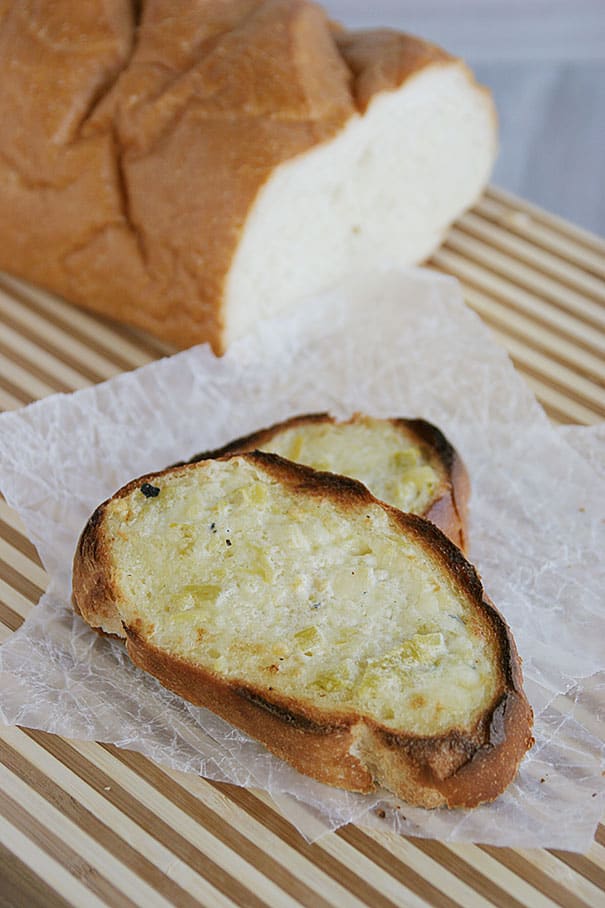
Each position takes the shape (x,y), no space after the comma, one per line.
(389,344)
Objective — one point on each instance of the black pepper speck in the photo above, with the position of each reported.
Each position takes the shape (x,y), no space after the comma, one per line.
(149,491)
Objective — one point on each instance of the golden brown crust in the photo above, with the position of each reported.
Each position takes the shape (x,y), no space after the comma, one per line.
(459,768)
(452,770)
(382,60)
(317,748)
(261,437)
(104,194)
(449,511)
(92,595)
(449,506)
(160,107)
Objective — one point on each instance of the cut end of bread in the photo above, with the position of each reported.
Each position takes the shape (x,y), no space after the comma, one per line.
(351,639)
(382,192)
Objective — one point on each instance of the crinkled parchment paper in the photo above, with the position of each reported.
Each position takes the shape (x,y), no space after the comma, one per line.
(389,344)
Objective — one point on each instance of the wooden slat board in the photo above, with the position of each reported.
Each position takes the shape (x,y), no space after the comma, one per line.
(85,824)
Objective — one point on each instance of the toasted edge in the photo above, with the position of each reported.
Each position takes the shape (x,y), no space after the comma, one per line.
(449,507)
(456,769)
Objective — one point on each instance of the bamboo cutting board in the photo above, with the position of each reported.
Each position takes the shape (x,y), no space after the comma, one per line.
(86,824)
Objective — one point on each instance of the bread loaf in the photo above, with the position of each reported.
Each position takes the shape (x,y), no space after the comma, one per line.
(351,639)
(196,166)
(406,462)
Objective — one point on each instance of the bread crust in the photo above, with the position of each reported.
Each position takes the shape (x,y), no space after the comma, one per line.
(92,588)
(382,59)
(459,768)
(104,197)
(449,506)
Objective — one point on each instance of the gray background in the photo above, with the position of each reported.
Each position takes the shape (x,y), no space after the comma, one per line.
(544,61)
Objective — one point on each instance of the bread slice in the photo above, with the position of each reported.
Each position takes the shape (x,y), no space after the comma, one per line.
(408,463)
(351,639)
(190,168)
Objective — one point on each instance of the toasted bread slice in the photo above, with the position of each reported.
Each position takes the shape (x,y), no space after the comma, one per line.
(353,640)
(408,463)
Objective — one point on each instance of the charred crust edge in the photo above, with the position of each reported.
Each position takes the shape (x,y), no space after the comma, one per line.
(425,431)
(432,436)
(252,441)
(89,537)
(289,717)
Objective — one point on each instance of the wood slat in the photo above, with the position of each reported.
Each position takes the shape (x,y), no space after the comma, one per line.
(92,330)
(459,862)
(63,342)
(5,629)
(100,770)
(477,277)
(584,239)
(14,535)
(26,566)
(59,884)
(520,223)
(405,851)
(23,381)
(8,400)
(44,830)
(88,825)
(520,249)
(199,839)
(557,404)
(14,606)
(555,374)
(131,343)
(109,826)
(10,518)
(19,885)
(565,886)
(591,865)
(339,859)
(522,276)
(25,352)
(556,346)
(343,885)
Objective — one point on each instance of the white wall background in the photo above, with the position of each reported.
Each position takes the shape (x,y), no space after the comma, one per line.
(544,61)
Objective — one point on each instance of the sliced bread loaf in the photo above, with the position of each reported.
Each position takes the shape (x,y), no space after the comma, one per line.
(351,639)
(191,168)
(408,463)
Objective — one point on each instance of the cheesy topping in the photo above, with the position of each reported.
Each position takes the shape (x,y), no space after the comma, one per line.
(314,599)
(374,451)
